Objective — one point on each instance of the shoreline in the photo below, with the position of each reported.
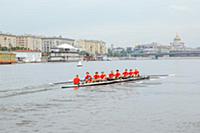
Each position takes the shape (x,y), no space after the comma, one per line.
(150,58)
(113,59)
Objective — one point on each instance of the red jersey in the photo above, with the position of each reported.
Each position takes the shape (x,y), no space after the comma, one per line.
(125,74)
(131,73)
(96,76)
(88,78)
(103,76)
(111,76)
(76,81)
(137,73)
(117,75)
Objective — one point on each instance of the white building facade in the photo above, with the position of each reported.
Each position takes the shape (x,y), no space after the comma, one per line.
(64,53)
(51,42)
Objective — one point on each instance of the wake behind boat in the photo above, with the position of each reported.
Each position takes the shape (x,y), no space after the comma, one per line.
(107,82)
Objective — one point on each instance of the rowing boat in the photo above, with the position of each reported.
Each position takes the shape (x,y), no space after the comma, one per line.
(107,82)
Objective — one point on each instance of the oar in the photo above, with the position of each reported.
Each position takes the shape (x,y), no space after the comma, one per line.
(63,82)
(162,75)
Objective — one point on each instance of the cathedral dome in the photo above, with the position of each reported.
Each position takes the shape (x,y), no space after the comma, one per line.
(177,38)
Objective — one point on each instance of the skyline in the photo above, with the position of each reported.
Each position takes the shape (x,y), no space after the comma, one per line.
(113,21)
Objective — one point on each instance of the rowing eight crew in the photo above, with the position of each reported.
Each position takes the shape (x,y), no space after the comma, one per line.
(104,77)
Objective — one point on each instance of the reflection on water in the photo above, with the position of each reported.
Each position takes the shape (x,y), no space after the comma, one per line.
(76,88)
(29,104)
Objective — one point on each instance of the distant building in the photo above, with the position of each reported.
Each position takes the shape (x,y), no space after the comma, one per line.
(51,42)
(93,47)
(28,56)
(7,40)
(164,48)
(64,53)
(118,50)
(152,48)
(129,49)
(112,46)
(147,48)
(29,42)
(177,44)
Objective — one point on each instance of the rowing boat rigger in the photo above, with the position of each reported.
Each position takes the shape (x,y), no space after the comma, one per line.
(107,82)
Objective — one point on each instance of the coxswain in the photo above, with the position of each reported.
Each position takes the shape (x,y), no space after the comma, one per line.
(131,73)
(103,76)
(136,73)
(126,73)
(88,78)
(111,76)
(96,77)
(117,74)
(76,80)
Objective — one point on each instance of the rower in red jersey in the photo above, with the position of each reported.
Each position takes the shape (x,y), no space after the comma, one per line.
(131,73)
(96,77)
(103,76)
(117,74)
(136,73)
(76,80)
(111,76)
(126,73)
(88,78)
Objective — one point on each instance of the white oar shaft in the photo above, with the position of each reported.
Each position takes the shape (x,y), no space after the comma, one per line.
(63,82)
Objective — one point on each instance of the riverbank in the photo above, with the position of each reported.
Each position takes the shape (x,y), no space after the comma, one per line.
(111,59)
(152,58)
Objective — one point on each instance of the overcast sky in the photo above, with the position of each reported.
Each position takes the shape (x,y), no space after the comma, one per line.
(121,22)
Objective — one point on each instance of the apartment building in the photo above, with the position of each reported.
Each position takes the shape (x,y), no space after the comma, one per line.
(7,40)
(93,47)
(30,42)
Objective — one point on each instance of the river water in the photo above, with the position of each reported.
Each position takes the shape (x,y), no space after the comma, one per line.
(169,104)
